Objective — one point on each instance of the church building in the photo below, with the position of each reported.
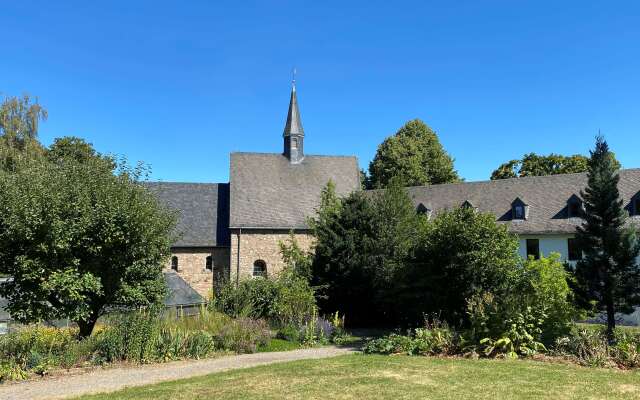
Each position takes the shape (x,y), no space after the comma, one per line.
(234,229)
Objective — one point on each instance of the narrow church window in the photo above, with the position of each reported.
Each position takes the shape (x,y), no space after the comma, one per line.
(533,248)
(209,263)
(294,143)
(260,269)
(174,263)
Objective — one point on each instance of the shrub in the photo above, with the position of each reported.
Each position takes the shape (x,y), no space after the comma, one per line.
(436,338)
(243,335)
(283,300)
(591,347)
(586,346)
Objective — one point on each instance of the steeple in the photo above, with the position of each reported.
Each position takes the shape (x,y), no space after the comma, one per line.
(293,133)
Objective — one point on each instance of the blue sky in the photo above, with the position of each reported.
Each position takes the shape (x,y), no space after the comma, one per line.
(179,85)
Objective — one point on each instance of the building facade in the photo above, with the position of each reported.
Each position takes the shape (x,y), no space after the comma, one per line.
(233,230)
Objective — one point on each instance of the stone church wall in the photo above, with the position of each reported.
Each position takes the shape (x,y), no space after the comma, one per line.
(192,263)
(261,245)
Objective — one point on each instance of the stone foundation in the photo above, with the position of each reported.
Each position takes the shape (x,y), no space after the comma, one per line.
(192,266)
(262,245)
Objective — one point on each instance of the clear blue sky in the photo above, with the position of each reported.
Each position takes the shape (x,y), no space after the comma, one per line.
(179,85)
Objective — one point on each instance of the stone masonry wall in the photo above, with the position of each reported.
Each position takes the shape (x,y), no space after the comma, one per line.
(192,266)
(261,245)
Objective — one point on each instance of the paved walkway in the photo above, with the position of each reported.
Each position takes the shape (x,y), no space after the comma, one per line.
(112,379)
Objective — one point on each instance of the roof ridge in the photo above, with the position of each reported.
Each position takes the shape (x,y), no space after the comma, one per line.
(184,183)
(516,179)
(306,155)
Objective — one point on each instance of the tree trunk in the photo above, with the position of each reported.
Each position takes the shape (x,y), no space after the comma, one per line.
(611,316)
(86,326)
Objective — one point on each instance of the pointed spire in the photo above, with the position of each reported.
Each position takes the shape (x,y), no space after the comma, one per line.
(294,123)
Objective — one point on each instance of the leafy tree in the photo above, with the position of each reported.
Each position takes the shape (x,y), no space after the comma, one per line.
(297,261)
(75,149)
(363,244)
(341,264)
(536,165)
(415,155)
(19,121)
(463,254)
(80,239)
(608,274)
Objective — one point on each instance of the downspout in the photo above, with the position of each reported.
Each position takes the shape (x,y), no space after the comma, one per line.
(238,258)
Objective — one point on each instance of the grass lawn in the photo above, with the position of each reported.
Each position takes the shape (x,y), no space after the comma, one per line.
(399,377)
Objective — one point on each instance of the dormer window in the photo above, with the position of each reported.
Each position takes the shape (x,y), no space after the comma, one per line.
(575,209)
(423,210)
(519,210)
(635,204)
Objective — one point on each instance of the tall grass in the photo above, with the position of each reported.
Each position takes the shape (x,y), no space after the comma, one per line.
(137,337)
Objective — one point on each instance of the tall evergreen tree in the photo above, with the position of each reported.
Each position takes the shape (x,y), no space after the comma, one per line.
(413,154)
(608,274)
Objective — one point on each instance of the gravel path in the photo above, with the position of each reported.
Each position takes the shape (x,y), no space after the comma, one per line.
(108,380)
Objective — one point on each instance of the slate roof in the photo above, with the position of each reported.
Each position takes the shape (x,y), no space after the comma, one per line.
(267,191)
(546,197)
(180,293)
(203,211)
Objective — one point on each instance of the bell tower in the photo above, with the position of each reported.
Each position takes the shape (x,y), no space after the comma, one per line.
(293,133)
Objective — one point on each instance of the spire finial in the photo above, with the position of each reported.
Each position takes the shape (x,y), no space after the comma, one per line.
(293,78)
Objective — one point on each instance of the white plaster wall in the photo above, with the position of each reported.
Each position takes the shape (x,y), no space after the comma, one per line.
(548,244)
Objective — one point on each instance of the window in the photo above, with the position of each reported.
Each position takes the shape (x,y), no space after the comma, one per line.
(260,269)
(519,209)
(294,143)
(518,212)
(209,264)
(575,253)
(174,263)
(574,207)
(533,248)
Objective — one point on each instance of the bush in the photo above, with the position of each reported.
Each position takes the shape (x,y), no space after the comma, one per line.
(590,347)
(436,338)
(284,300)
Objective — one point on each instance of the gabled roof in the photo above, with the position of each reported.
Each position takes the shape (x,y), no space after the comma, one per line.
(546,197)
(179,292)
(267,191)
(203,209)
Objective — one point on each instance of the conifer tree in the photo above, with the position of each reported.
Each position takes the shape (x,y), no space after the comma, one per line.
(608,275)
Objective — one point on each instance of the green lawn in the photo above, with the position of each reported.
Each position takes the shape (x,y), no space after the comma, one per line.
(399,377)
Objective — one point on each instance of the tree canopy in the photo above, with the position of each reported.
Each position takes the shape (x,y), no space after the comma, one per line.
(415,155)
(79,238)
(536,165)
(19,121)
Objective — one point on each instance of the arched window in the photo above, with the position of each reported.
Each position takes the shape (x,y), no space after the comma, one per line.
(260,269)
(174,263)
(209,263)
